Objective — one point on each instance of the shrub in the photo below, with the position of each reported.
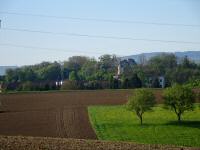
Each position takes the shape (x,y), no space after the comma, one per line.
(70,85)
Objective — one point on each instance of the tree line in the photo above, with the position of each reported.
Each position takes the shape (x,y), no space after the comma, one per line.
(80,72)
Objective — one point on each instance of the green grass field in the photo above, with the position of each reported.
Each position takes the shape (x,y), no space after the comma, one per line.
(160,127)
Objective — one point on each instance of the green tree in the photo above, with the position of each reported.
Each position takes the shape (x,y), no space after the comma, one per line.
(135,82)
(75,63)
(116,83)
(73,76)
(12,75)
(179,98)
(162,62)
(51,72)
(111,82)
(108,63)
(125,83)
(198,97)
(143,100)
(187,63)
(89,69)
(129,67)
(182,75)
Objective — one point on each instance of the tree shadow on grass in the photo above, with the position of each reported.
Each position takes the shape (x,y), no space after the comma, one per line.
(192,124)
(118,125)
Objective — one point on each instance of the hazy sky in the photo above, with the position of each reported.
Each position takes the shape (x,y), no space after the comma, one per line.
(64,46)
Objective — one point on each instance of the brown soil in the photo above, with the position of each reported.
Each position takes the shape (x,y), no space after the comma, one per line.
(56,114)
(53,114)
(35,143)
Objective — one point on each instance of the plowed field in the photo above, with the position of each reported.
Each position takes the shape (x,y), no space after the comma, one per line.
(55,114)
(37,143)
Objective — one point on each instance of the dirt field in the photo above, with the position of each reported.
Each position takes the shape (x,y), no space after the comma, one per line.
(55,114)
(59,114)
(30,143)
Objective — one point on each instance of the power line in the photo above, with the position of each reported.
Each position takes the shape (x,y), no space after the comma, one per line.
(100,20)
(45,48)
(98,36)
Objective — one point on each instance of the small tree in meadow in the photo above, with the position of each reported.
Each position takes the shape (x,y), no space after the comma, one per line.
(143,100)
(180,99)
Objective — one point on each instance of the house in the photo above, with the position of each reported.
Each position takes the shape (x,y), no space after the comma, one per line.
(156,82)
(161,80)
(152,81)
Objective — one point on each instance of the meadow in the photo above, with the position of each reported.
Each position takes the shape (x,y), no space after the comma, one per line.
(115,123)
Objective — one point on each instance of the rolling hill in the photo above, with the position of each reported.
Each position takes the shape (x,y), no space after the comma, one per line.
(192,55)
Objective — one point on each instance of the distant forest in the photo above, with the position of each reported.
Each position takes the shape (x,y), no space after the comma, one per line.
(80,72)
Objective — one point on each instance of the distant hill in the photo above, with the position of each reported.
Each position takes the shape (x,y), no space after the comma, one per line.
(4,68)
(192,55)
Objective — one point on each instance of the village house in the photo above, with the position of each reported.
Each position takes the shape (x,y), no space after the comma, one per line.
(160,81)
(150,81)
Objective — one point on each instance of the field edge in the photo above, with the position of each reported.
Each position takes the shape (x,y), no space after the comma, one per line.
(42,143)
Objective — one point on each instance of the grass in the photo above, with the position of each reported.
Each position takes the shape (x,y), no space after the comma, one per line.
(115,123)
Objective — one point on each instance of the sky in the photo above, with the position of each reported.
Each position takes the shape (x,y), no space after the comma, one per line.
(25,48)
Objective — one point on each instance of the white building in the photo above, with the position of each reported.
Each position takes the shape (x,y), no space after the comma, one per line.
(161,80)
(120,69)
(59,83)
